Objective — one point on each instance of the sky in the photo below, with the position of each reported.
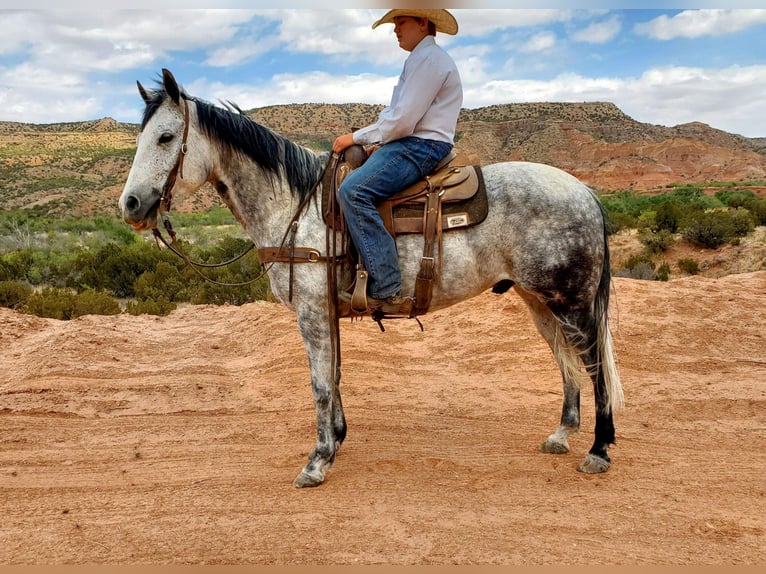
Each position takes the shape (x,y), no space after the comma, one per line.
(71,62)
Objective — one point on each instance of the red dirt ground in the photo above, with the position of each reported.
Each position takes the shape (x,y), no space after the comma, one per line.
(147,440)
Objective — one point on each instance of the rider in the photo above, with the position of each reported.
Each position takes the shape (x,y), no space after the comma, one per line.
(413,133)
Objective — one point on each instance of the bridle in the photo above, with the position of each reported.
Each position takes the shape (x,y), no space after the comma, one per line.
(274,255)
(178,168)
(177,172)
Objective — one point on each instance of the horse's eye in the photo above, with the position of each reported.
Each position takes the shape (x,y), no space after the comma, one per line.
(166,137)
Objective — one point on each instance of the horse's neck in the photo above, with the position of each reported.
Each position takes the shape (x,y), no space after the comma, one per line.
(262,203)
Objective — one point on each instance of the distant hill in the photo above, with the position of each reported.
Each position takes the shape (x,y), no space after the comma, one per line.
(80,167)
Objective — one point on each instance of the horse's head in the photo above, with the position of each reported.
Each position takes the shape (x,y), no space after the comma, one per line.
(161,161)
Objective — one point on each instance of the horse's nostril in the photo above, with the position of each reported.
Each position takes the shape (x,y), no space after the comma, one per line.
(132,203)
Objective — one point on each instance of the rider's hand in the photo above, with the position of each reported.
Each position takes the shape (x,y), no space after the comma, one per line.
(342,142)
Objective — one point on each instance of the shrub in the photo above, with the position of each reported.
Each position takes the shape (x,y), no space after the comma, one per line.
(688,265)
(757,208)
(95,303)
(64,304)
(115,268)
(165,282)
(617,221)
(656,241)
(742,222)
(14,294)
(638,266)
(668,216)
(663,272)
(51,302)
(640,270)
(159,306)
(647,221)
(714,228)
(734,199)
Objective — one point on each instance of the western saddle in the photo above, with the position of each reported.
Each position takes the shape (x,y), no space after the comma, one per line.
(450,198)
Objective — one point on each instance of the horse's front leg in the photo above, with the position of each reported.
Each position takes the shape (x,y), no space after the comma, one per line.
(324,365)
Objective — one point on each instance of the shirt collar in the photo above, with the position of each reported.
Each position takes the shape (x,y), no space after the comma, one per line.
(427,41)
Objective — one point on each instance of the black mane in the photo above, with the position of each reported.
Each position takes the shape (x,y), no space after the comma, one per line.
(235,132)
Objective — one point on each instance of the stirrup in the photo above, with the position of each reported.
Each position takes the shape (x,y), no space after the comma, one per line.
(359,296)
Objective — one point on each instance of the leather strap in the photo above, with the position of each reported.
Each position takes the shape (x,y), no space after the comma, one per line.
(432,230)
(178,168)
(290,255)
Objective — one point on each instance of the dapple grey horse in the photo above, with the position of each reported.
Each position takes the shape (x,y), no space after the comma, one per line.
(545,236)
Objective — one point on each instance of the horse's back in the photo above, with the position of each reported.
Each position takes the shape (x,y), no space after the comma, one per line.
(538,186)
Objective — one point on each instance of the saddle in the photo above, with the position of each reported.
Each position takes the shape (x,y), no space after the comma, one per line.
(450,198)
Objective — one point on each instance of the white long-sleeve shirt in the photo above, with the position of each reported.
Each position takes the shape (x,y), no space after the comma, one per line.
(426,101)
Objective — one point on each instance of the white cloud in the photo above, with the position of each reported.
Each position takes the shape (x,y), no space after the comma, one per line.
(232,54)
(314,87)
(61,65)
(481,22)
(599,32)
(726,99)
(113,40)
(471,62)
(698,23)
(540,42)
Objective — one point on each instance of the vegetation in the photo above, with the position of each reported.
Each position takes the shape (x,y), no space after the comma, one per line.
(66,267)
(684,213)
(74,266)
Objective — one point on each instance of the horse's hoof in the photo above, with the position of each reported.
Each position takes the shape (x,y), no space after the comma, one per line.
(555,446)
(593,464)
(308,479)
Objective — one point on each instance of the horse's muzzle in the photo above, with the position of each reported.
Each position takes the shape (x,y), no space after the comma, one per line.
(138,214)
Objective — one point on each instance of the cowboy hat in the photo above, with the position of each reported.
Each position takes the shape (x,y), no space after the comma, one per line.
(443,20)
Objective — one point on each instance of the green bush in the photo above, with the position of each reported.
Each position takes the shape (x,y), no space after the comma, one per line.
(639,266)
(663,272)
(735,198)
(159,306)
(115,268)
(14,294)
(165,282)
(51,302)
(757,208)
(689,266)
(64,304)
(617,221)
(714,228)
(656,241)
(647,221)
(95,303)
(668,216)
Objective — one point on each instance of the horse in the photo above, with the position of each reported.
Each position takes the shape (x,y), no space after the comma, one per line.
(545,236)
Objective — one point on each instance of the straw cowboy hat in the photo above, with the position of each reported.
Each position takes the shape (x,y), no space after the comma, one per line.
(443,20)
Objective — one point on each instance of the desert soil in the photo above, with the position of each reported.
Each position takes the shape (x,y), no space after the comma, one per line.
(148,440)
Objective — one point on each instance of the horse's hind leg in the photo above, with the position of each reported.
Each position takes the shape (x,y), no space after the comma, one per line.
(598,459)
(590,336)
(568,362)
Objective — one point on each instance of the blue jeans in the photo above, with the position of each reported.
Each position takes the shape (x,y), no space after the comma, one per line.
(390,169)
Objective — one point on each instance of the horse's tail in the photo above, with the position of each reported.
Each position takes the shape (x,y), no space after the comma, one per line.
(605,356)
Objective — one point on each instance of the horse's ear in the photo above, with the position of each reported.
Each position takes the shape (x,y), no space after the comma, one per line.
(144,93)
(171,87)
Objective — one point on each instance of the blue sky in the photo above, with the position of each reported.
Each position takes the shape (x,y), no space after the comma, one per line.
(78,61)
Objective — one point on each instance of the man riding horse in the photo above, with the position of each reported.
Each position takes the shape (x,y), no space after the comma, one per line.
(413,133)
